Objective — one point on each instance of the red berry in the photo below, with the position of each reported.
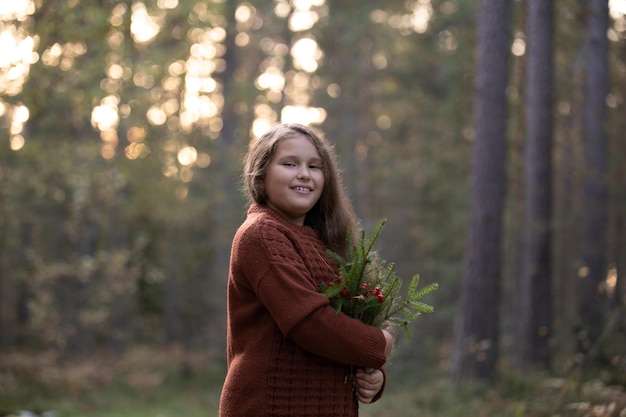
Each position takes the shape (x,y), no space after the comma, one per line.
(381,297)
(344,292)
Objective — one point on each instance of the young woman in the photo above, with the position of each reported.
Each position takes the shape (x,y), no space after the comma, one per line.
(289,353)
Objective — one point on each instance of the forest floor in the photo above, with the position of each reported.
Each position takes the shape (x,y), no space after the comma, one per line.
(150,383)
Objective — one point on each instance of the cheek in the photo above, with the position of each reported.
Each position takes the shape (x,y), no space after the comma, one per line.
(321,184)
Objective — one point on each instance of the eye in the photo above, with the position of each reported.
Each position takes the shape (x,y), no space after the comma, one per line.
(314,166)
(289,164)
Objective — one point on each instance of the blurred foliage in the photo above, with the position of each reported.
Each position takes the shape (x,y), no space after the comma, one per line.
(116,234)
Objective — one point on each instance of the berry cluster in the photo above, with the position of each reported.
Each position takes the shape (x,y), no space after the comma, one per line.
(367,291)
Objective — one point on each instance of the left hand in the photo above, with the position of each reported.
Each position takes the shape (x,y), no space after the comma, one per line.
(368,383)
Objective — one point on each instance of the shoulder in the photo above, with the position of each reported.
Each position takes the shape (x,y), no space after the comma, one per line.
(259,226)
(264,230)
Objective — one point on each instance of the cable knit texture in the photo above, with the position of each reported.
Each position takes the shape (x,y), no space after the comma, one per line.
(288,353)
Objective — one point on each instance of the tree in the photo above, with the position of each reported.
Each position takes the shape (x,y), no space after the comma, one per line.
(350,119)
(592,300)
(111,234)
(477,336)
(535,325)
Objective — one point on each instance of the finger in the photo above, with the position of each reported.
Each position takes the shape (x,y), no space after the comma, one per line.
(365,395)
(365,383)
(368,373)
(372,378)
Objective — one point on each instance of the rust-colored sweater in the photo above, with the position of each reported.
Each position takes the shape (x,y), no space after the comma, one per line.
(288,353)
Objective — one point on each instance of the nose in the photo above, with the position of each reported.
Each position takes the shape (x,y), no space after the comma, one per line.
(303,172)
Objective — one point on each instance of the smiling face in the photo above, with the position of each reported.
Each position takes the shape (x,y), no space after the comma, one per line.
(295,178)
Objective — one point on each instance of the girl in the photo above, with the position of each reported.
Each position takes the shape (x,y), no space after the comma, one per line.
(288,352)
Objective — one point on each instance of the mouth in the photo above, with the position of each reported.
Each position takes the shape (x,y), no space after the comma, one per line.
(302,189)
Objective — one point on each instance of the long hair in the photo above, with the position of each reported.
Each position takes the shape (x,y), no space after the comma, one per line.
(332,216)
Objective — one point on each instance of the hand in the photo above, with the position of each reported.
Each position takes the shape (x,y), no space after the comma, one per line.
(388,343)
(368,383)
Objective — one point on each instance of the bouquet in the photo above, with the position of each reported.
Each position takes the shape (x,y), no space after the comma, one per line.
(368,289)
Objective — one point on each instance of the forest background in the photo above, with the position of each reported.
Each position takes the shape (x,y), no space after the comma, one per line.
(122,128)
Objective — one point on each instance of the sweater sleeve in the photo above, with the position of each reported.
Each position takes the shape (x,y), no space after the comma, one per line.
(283,284)
(341,338)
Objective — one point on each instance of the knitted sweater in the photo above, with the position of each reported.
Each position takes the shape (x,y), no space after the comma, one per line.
(288,353)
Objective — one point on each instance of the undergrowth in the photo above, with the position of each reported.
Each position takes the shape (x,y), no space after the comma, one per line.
(174,383)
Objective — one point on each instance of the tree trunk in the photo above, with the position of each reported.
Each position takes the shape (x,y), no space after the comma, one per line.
(172,298)
(592,300)
(349,63)
(619,292)
(477,337)
(124,305)
(535,325)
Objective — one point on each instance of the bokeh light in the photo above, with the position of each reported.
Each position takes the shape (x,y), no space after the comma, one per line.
(143,26)
(306,54)
(16,9)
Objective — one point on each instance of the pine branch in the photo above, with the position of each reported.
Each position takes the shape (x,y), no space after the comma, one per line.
(367,287)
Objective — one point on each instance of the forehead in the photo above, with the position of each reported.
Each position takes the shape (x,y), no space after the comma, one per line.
(297,145)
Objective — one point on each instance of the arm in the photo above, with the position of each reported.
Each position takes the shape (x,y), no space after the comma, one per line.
(277,273)
(342,338)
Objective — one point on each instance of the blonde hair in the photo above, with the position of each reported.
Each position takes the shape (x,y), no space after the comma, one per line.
(332,216)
